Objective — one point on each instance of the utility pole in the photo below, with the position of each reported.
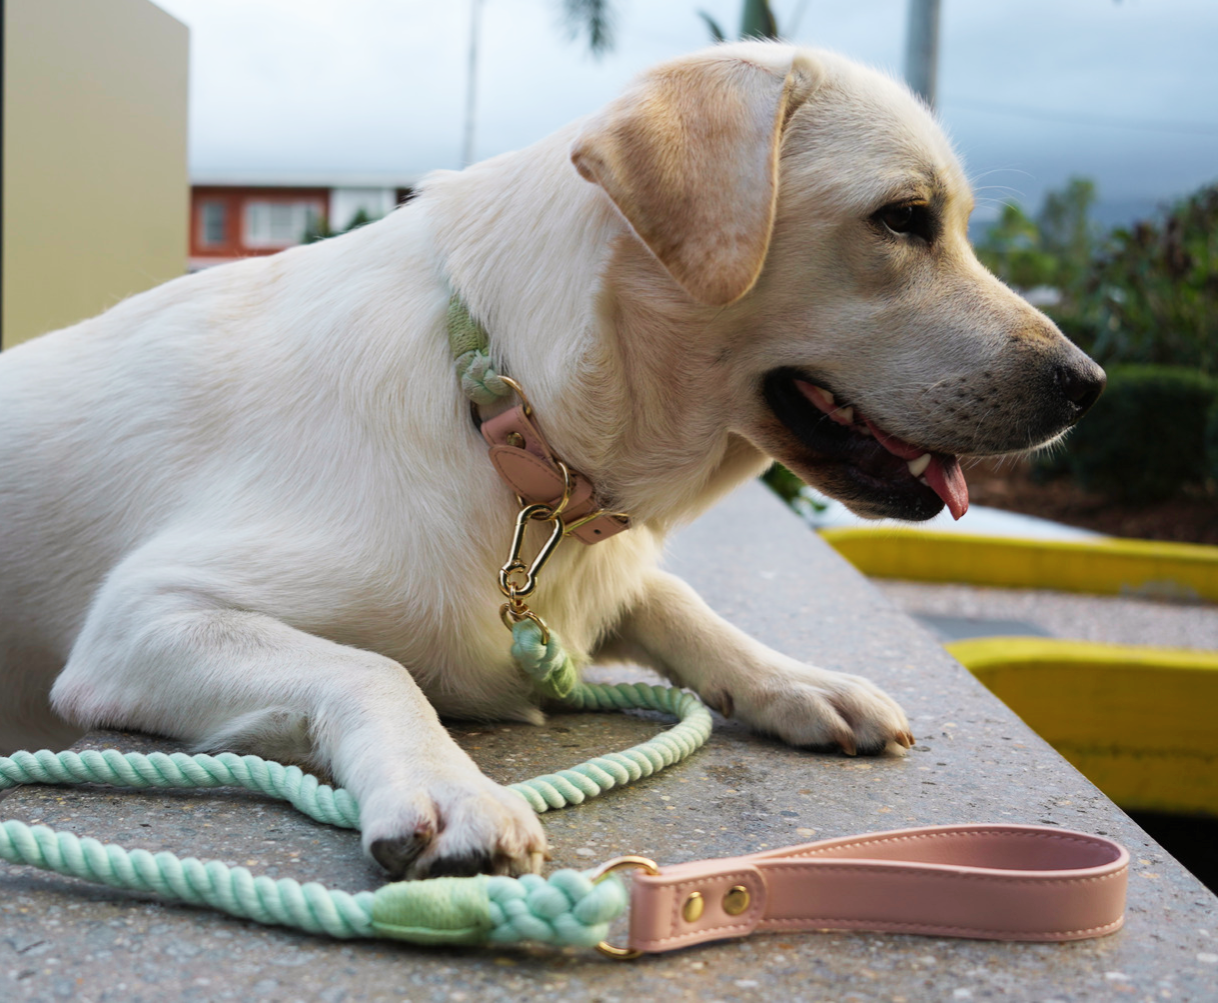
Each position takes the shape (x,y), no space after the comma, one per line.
(922,49)
(471,82)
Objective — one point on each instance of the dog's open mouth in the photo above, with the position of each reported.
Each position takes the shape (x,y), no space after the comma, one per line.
(902,479)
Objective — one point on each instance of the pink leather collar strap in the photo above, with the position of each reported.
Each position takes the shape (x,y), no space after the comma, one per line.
(992,882)
(523,458)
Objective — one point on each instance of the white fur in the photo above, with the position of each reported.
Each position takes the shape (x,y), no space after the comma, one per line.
(248,508)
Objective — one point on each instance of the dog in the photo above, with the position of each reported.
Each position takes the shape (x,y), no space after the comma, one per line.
(249,509)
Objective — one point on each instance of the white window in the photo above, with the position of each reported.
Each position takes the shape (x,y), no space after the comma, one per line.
(212,223)
(278,224)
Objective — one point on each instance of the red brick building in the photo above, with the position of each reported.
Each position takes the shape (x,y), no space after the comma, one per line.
(239,216)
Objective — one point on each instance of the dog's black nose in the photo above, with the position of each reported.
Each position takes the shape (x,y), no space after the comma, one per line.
(1081,384)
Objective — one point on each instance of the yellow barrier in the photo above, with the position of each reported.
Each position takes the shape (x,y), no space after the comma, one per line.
(1106,565)
(1138,722)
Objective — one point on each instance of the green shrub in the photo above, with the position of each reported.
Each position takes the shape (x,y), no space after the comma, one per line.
(1146,435)
(1211,443)
(1152,295)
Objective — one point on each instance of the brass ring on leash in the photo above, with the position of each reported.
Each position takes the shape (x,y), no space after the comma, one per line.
(602,872)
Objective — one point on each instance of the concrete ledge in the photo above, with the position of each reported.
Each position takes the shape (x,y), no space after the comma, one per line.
(755,563)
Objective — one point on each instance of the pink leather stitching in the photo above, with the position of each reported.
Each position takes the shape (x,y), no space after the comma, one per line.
(969,834)
(947,874)
(828,923)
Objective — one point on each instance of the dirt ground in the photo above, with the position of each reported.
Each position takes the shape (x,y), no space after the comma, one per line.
(1188,518)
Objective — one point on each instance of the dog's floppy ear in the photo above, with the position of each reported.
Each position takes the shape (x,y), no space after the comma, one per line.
(690,157)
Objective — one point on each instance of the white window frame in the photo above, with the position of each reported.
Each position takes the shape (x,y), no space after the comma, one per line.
(278,223)
(214,205)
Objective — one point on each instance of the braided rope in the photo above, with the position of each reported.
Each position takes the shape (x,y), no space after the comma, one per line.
(469,344)
(233,890)
(592,778)
(565,908)
(287,783)
(552,670)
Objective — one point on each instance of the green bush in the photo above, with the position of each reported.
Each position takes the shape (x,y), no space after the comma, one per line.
(1211,444)
(1146,436)
(1151,296)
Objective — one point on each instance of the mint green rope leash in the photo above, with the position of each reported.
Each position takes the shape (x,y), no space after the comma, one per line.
(565,908)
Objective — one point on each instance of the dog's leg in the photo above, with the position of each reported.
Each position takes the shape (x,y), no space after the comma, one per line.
(160,657)
(672,630)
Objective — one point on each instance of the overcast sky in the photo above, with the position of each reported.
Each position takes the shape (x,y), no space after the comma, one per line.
(1031,91)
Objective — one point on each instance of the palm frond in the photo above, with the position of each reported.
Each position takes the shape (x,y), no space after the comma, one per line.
(594,19)
(757,20)
(716,32)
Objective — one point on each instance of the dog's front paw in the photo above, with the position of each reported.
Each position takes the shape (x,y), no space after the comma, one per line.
(816,708)
(452,827)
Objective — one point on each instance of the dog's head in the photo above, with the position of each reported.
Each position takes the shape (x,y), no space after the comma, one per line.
(814,218)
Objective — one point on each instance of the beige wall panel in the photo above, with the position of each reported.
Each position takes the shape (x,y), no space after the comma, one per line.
(96,186)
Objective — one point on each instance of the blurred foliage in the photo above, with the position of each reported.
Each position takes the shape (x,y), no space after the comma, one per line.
(1145,438)
(756,21)
(1143,301)
(319,228)
(1211,444)
(593,18)
(793,491)
(1147,293)
(1152,294)
(783,483)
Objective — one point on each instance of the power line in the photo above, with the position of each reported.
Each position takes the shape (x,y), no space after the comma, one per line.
(1082,118)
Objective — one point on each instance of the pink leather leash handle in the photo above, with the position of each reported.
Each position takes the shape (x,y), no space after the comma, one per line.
(993,882)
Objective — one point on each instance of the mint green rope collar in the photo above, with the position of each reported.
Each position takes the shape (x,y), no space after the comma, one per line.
(565,909)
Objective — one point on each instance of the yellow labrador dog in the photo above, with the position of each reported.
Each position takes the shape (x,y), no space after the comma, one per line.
(248,509)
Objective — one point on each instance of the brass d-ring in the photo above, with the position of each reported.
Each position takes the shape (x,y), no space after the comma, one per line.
(568,485)
(602,872)
(528,407)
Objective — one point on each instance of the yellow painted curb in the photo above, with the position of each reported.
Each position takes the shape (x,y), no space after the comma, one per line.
(1106,565)
(1139,723)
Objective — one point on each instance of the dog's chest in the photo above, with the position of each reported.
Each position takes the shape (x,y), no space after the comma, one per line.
(446,625)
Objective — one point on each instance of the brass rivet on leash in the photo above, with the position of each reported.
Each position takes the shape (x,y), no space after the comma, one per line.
(736,900)
(515,439)
(694,906)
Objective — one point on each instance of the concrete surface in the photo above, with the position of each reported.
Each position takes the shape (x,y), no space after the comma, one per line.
(754,562)
(1107,619)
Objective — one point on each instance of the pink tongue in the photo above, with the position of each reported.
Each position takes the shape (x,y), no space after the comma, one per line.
(943,473)
(946,479)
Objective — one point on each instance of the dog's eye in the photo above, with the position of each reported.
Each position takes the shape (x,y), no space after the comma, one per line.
(913,219)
